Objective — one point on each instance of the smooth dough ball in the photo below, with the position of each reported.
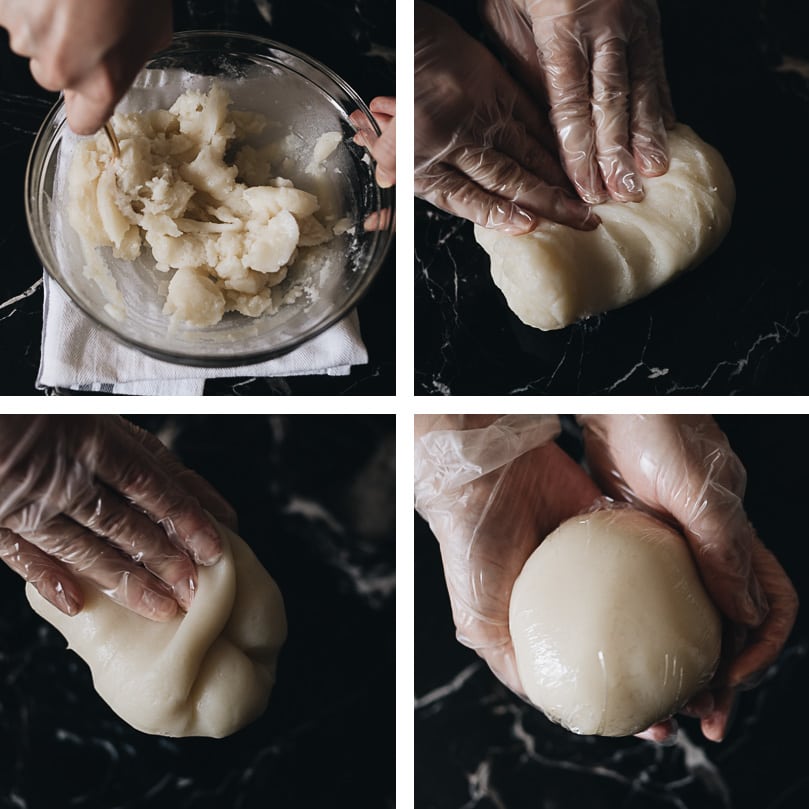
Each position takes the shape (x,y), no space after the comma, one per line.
(205,673)
(612,627)
(558,275)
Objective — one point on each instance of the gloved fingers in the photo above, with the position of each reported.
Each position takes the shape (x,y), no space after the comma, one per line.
(453,192)
(610,100)
(567,81)
(53,581)
(500,174)
(715,724)
(648,118)
(501,659)
(127,466)
(210,499)
(721,541)
(682,469)
(117,522)
(766,641)
(95,561)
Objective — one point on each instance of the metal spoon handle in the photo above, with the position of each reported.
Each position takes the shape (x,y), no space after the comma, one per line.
(113,139)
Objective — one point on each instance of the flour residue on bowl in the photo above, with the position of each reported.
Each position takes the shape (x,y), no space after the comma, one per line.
(215,208)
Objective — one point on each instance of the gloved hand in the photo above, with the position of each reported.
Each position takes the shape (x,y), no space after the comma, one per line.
(600,66)
(94,498)
(483,150)
(382,147)
(91,49)
(683,469)
(491,488)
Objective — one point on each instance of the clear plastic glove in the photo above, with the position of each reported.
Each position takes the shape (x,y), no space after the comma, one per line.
(491,488)
(91,49)
(483,150)
(382,147)
(599,64)
(94,498)
(682,469)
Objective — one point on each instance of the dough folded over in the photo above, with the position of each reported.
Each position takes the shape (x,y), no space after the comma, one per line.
(557,275)
(205,673)
(612,627)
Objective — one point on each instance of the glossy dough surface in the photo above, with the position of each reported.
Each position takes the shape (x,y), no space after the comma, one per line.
(612,627)
(557,275)
(204,673)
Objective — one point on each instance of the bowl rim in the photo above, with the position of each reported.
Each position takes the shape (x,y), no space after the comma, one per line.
(384,237)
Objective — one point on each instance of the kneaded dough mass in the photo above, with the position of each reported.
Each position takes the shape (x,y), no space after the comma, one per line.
(204,673)
(612,627)
(558,275)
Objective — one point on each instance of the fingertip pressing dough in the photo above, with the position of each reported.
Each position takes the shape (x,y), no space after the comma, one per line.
(612,627)
(211,213)
(558,275)
(205,673)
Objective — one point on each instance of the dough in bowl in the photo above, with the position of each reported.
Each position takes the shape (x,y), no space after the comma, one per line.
(558,275)
(612,627)
(204,673)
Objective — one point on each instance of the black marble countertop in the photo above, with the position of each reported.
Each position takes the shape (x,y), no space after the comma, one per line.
(480,747)
(355,38)
(739,323)
(315,503)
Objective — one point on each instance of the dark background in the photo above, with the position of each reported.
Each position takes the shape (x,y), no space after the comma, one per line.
(481,747)
(355,38)
(314,496)
(740,322)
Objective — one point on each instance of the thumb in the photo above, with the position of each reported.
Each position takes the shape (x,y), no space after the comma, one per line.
(86,115)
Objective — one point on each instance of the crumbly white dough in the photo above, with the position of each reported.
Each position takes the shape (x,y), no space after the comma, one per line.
(228,228)
(558,275)
(204,673)
(612,627)
(325,147)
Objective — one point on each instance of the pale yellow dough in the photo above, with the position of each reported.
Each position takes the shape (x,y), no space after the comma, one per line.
(611,625)
(228,228)
(558,275)
(204,673)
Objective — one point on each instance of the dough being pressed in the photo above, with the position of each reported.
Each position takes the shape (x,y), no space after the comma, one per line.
(558,275)
(204,673)
(612,627)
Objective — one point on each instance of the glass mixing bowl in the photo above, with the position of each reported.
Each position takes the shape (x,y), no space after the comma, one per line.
(303,99)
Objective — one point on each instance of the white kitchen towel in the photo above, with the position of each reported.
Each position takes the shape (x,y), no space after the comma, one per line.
(78,355)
